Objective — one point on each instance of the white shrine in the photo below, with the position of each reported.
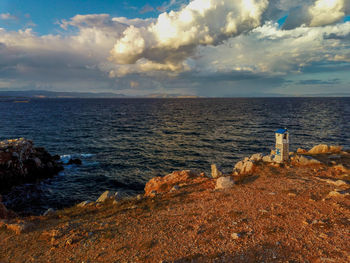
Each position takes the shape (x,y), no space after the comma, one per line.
(282,146)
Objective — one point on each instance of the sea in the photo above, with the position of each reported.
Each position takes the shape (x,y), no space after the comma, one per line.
(125,142)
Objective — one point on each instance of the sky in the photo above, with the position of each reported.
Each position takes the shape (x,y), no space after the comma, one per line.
(210,48)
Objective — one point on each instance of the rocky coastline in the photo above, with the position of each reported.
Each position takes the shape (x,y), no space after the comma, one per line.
(296,211)
(21,161)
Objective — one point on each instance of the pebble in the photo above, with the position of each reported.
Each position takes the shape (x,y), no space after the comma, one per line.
(235,235)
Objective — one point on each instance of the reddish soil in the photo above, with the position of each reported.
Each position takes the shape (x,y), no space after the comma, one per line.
(277,214)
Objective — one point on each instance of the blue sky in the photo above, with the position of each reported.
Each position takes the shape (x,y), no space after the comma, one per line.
(199,47)
(45,13)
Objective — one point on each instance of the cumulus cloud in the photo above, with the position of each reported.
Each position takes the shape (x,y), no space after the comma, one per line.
(272,51)
(169,41)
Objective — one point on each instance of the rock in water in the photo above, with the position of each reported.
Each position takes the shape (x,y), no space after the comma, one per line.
(105,196)
(224,182)
(20,162)
(321,148)
(215,172)
(75,161)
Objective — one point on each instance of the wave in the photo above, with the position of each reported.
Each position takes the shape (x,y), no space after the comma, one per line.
(66,157)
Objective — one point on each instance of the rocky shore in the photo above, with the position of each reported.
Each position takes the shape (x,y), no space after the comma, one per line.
(263,211)
(21,162)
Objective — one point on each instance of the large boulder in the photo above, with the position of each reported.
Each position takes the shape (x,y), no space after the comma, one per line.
(323,148)
(20,161)
(165,184)
(224,182)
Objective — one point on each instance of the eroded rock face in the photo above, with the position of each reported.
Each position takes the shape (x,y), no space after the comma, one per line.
(20,161)
(166,183)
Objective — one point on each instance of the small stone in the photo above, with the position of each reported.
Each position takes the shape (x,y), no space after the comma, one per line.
(263,211)
(235,235)
(292,194)
(215,173)
(105,196)
(139,197)
(224,182)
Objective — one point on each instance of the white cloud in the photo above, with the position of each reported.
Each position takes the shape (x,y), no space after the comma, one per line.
(168,42)
(325,12)
(7,16)
(273,51)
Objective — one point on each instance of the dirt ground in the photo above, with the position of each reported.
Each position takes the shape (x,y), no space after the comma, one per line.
(276,214)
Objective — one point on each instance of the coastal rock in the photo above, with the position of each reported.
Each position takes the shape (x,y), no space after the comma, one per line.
(224,182)
(257,157)
(301,151)
(215,172)
(304,160)
(247,167)
(323,148)
(239,165)
(75,161)
(84,203)
(164,184)
(268,158)
(20,162)
(105,196)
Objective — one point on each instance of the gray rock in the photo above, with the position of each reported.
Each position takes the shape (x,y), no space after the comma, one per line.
(215,172)
(105,196)
(224,182)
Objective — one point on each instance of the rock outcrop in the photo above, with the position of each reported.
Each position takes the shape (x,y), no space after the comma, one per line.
(164,184)
(20,161)
(323,148)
